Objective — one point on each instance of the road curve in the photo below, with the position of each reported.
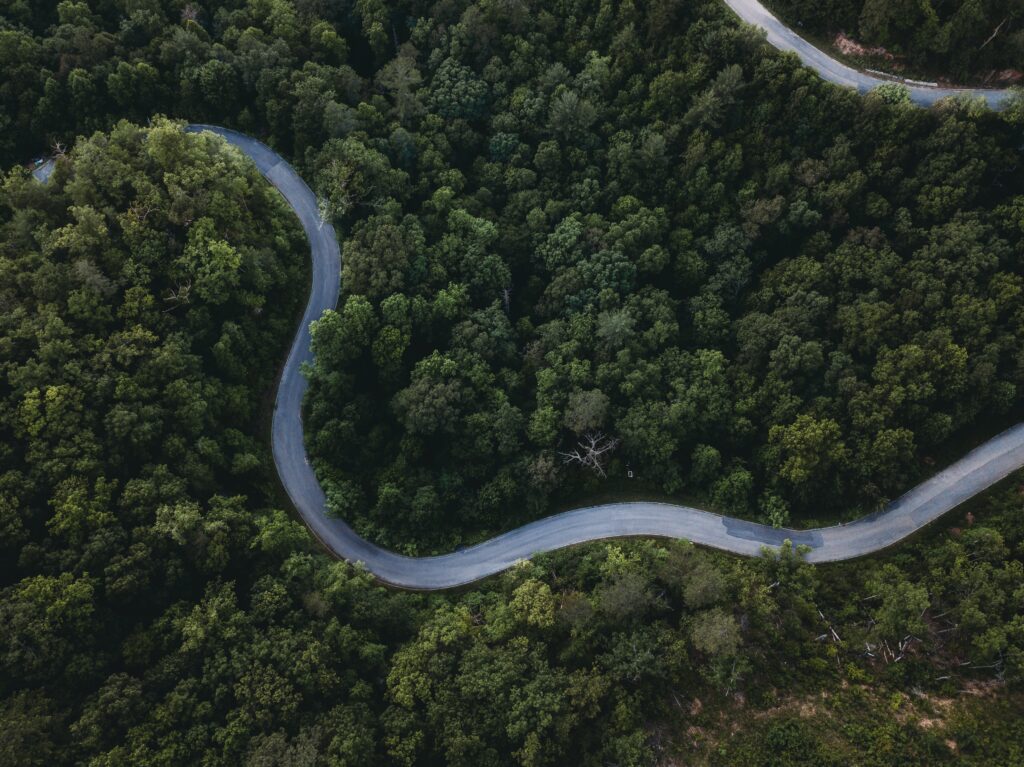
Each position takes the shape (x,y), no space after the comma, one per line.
(785,39)
(978,470)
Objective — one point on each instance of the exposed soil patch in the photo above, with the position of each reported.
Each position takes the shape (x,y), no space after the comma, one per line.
(850,47)
(1004,77)
(982,687)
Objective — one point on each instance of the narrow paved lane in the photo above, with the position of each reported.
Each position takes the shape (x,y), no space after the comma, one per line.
(785,39)
(978,470)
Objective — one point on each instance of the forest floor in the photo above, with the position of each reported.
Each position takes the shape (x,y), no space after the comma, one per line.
(854,720)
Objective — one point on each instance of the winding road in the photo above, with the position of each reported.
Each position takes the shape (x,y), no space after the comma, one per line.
(785,39)
(978,470)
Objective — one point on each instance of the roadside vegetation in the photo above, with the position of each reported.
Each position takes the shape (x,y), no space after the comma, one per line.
(558,220)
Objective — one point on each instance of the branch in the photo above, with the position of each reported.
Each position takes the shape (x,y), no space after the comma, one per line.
(993,35)
(590,452)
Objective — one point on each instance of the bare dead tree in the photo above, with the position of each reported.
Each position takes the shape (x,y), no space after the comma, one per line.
(140,211)
(591,452)
(189,13)
(178,297)
(831,630)
(59,149)
(506,298)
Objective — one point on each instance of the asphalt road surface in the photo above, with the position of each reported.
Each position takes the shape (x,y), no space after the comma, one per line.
(978,470)
(44,170)
(785,39)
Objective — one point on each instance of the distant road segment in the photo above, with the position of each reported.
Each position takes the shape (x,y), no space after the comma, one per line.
(785,39)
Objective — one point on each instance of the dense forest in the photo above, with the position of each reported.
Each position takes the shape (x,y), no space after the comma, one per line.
(962,40)
(564,264)
(632,218)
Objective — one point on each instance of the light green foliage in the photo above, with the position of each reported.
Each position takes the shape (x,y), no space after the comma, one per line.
(808,449)
(902,604)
